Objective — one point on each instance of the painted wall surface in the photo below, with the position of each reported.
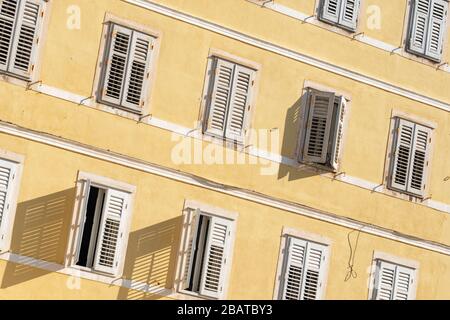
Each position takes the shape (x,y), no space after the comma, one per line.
(70,60)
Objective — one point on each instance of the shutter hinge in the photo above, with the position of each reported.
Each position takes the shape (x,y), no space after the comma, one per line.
(32,67)
(253,82)
(152,46)
(148,75)
(42,14)
(37,40)
(13,176)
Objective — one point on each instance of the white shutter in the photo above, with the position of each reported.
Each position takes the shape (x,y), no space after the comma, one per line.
(295,254)
(26,37)
(216,256)
(188,254)
(137,76)
(318,126)
(402,154)
(314,271)
(239,106)
(111,231)
(8,13)
(437,24)
(331,9)
(116,64)
(419,160)
(393,282)
(419,26)
(338,135)
(349,13)
(220,98)
(7,177)
(83,205)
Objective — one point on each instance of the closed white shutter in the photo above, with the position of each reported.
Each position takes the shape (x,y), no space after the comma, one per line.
(402,154)
(116,65)
(7,177)
(239,106)
(318,126)
(419,26)
(111,231)
(216,257)
(220,98)
(393,282)
(304,270)
(331,10)
(419,160)
(338,135)
(188,254)
(8,13)
(26,37)
(437,24)
(136,83)
(349,13)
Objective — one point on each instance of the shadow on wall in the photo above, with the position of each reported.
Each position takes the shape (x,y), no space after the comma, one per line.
(151,259)
(290,141)
(40,232)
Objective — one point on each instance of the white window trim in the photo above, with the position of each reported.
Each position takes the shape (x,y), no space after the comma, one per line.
(291,232)
(379,255)
(218,53)
(18,160)
(74,232)
(189,206)
(301,129)
(388,158)
(337,27)
(95,99)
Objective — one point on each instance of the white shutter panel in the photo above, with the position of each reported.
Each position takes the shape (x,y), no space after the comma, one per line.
(338,135)
(7,177)
(84,203)
(136,83)
(192,231)
(349,13)
(314,271)
(404,278)
(331,9)
(402,154)
(239,106)
(116,64)
(8,13)
(295,254)
(419,160)
(26,38)
(438,19)
(111,231)
(220,98)
(385,281)
(318,126)
(216,256)
(419,26)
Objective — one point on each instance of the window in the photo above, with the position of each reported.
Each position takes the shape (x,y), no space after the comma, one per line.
(411,152)
(8,177)
(207,255)
(229,100)
(303,270)
(393,281)
(427,25)
(102,228)
(20,23)
(341,12)
(321,141)
(127,69)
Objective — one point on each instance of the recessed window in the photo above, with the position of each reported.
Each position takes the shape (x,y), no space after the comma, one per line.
(343,13)
(8,179)
(393,281)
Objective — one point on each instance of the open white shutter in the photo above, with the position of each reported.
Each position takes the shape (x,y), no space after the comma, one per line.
(7,177)
(349,13)
(404,278)
(8,13)
(26,37)
(84,199)
(314,271)
(295,254)
(216,256)
(111,231)
(138,73)
(220,98)
(331,10)
(190,248)
(402,154)
(318,126)
(116,64)
(239,106)
(393,282)
(419,26)
(417,176)
(437,24)
(338,134)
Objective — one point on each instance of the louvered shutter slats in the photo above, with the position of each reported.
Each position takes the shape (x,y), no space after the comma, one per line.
(405,138)
(7,176)
(419,160)
(437,23)
(192,231)
(349,13)
(420,26)
(8,12)
(331,9)
(393,282)
(296,252)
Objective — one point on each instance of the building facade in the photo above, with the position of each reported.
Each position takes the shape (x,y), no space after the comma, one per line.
(227,149)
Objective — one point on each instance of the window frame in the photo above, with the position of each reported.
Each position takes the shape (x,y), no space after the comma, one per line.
(319,7)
